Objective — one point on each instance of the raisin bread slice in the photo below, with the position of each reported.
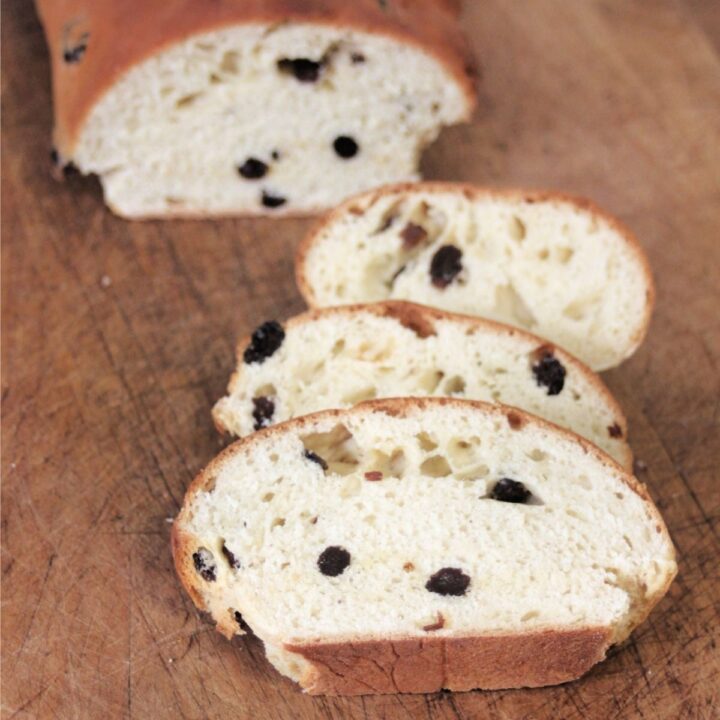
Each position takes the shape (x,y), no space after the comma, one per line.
(337,357)
(250,107)
(557,266)
(409,545)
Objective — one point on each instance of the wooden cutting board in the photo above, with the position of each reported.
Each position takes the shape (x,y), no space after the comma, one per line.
(119,336)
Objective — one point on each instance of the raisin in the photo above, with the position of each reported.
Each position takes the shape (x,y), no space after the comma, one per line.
(304,70)
(263,410)
(445,266)
(264,341)
(205,564)
(230,556)
(310,455)
(357,58)
(615,431)
(75,53)
(333,560)
(448,581)
(60,167)
(412,235)
(373,475)
(549,372)
(253,169)
(345,147)
(512,491)
(272,201)
(240,621)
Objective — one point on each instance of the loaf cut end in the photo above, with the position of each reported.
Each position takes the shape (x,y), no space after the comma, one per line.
(256,119)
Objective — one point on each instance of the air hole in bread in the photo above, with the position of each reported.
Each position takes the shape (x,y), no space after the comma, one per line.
(229,62)
(430,379)
(277,522)
(576,310)
(337,447)
(474,472)
(361,394)
(544,254)
(187,100)
(565,254)
(537,455)
(518,231)
(388,218)
(454,384)
(389,465)
(426,442)
(510,305)
(461,452)
(338,347)
(436,466)
(267,390)
(529,615)
(267,497)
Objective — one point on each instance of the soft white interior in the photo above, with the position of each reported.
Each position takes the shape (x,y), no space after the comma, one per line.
(587,552)
(342,358)
(169,136)
(549,267)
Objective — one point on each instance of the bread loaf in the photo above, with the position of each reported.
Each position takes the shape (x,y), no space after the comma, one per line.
(337,357)
(417,544)
(556,266)
(251,106)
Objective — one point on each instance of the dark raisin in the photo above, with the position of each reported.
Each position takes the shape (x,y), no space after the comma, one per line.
(357,58)
(302,69)
(412,235)
(345,147)
(615,431)
(448,581)
(333,560)
(275,154)
(253,169)
(264,342)
(445,266)
(75,53)
(263,410)
(205,564)
(549,372)
(240,621)
(272,201)
(512,491)
(310,455)
(373,475)
(230,556)
(60,167)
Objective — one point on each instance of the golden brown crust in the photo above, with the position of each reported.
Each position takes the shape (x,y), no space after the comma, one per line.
(354,666)
(421,319)
(422,665)
(153,25)
(475,192)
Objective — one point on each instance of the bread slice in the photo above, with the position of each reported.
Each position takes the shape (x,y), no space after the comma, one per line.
(251,107)
(409,545)
(557,266)
(337,357)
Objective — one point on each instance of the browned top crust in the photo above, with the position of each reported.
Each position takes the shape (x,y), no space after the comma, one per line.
(116,35)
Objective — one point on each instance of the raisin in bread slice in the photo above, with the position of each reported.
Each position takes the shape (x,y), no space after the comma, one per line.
(409,545)
(557,266)
(249,107)
(337,357)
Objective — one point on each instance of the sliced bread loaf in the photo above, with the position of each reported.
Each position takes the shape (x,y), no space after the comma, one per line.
(337,357)
(557,266)
(410,545)
(251,106)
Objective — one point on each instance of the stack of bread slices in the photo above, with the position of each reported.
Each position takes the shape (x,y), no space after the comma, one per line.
(434,488)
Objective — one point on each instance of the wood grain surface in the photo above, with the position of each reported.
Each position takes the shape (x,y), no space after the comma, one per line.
(118,337)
